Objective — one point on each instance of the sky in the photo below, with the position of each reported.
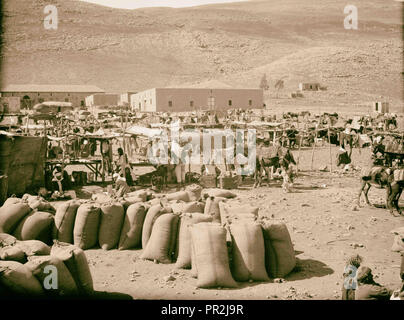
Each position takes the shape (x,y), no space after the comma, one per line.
(135,4)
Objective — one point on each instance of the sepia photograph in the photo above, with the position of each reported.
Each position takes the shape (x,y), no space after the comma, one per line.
(211,151)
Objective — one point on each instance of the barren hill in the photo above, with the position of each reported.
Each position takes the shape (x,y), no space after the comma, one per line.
(125,50)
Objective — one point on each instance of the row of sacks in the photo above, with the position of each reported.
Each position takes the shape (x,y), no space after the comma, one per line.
(89,223)
(220,246)
(121,223)
(33,269)
(27,218)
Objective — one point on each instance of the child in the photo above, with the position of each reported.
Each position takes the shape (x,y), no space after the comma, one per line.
(350,280)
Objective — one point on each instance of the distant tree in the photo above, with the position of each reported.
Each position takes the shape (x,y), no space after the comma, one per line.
(278,86)
(264,83)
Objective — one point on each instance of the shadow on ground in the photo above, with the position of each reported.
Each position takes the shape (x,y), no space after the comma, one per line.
(309,268)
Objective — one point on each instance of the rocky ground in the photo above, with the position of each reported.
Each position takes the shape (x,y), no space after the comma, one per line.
(325,227)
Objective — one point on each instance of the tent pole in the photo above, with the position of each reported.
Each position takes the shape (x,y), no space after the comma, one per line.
(312,153)
(329,143)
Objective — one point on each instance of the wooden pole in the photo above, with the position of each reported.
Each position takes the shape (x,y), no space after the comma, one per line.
(298,155)
(329,143)
(312,153)
(26,128)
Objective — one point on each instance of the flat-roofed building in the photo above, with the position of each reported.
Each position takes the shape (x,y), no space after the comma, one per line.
(193,99)
(102,100)
(31,94)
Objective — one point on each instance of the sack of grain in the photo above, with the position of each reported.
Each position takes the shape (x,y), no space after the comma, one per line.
(215,192)
(233,213)
(37,225)
(161,245)
(139,194)
(212,208)
(86,225)
(40,204)
(11,215)
(13,253)
(188,207)
(34,248)
(101,198)
(194,192)
(280,257)
(17,278)
(76,261)
(10,201)
(398,241)
(7,240)
(180,195)
(127,201)
(211,256)
(110,226)
(131,233)
(248,252)
(152,214)
(65,286)
(64,221)
(184,237)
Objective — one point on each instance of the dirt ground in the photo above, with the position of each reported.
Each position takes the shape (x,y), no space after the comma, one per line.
(324,228)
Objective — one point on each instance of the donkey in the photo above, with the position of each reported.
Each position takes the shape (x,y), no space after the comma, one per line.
(382,177)
(283,158)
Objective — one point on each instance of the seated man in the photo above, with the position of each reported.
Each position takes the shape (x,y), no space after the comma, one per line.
(368,289)
(121,187)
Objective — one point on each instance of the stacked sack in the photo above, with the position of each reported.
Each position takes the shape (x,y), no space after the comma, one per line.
(199,229)
(28,218)
(27,269)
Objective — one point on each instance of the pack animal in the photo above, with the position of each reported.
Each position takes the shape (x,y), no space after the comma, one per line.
(382,177)
(282,158)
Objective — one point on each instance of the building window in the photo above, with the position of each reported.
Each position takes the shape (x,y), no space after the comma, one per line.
(139,105)
(230,103)
(170,103)
(66,99)
(151,101)
(38,94)
(250,103)
(68,94)
(191,103)
(51,94)
(311,87)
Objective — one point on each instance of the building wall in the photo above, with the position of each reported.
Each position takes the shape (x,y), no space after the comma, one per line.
(309,86)
(101,99)
(144,101)
(11,104)
(381,107)
(76,98)
(184,99)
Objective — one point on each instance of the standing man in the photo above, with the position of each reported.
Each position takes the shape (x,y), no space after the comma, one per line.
(124,167)
(176,155)
(106,153)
